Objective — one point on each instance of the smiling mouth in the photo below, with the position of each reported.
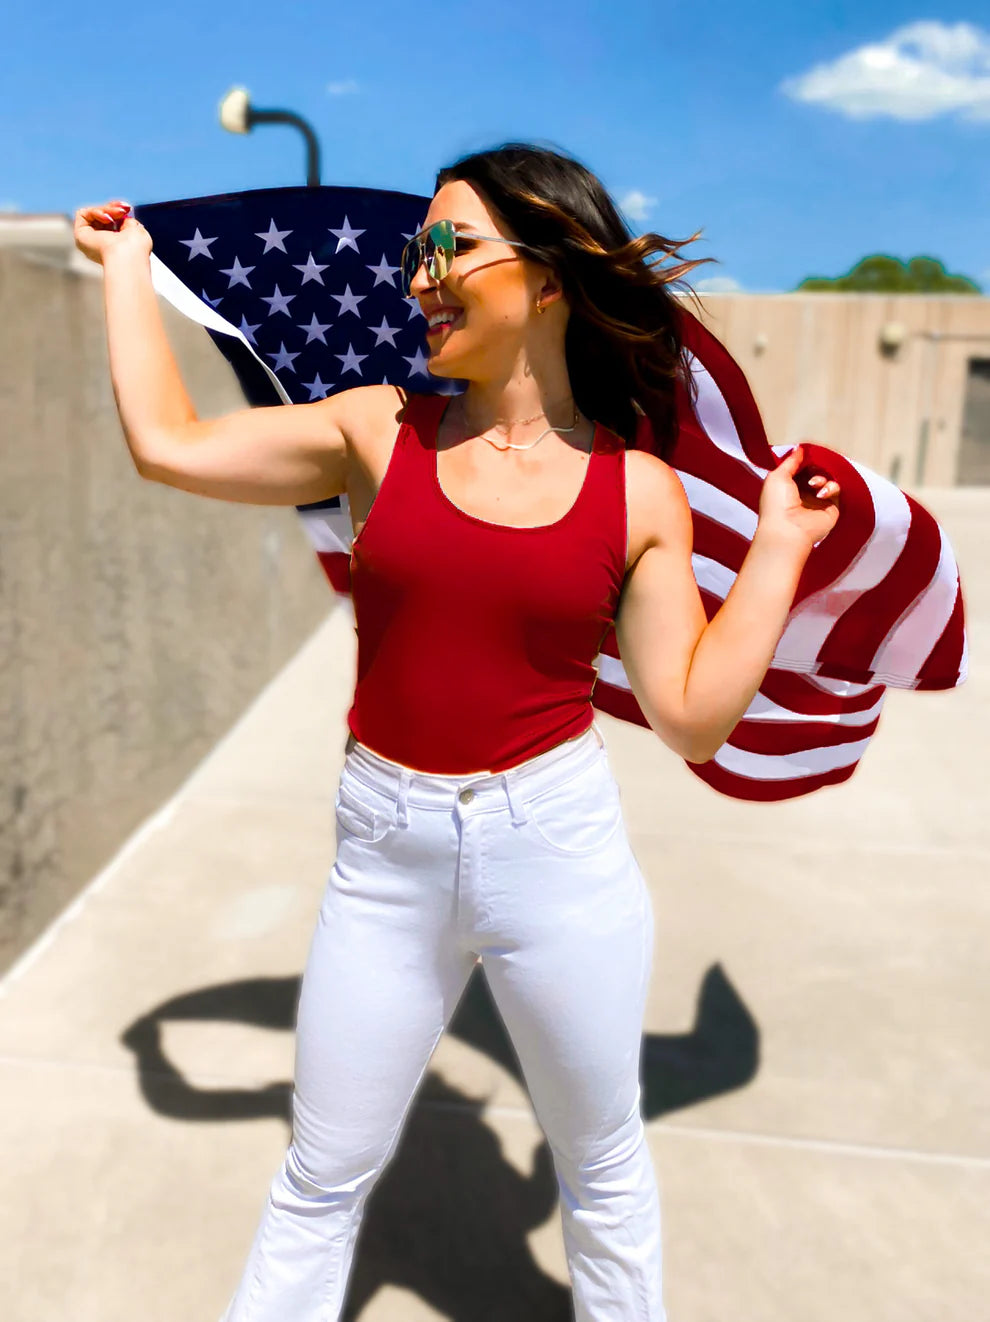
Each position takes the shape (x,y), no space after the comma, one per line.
(444,326)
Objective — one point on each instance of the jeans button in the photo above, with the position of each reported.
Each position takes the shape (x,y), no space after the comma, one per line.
(466,796)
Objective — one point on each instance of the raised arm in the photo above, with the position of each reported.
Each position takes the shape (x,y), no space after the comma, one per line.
(694,679)
(277,455)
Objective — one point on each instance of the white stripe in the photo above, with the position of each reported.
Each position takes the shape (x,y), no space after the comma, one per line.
(762,709)
(840,688)
(911,639)
(717,504)
(612,671)
(789,766)
(712,576)
(964,661)
(171,288)
(329,529)
(713,414)
(811,622)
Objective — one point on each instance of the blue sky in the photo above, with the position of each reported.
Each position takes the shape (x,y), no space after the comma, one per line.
(798,136)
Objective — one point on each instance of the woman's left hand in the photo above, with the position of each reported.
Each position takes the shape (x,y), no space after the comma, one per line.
(793,510)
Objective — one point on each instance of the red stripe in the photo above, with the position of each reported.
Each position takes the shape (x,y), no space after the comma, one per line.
(337,567)
(781,738)
(734,387)
(942,665)
(617,702)
(766,791)
(711,603)
(694,452)
(855,526)
(718,542)
(862,628)
(799,694)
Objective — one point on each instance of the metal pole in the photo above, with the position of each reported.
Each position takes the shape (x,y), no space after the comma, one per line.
(312,145)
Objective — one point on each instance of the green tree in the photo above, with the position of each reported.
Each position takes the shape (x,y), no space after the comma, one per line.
(880,274)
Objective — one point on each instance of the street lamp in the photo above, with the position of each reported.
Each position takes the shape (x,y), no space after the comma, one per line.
(237,115)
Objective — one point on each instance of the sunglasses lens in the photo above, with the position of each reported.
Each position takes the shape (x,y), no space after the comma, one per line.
(436,248)
(440,241)
(410,264)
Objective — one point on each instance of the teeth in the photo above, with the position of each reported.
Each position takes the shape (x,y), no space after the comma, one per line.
(441,319)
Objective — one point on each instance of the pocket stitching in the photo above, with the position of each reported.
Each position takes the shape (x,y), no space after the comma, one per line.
(358,819)
(567,849)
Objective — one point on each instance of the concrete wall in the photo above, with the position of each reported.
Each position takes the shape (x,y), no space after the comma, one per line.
(815,367)
(136,621)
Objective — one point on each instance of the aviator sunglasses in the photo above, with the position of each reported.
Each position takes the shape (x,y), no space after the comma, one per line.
(438,246)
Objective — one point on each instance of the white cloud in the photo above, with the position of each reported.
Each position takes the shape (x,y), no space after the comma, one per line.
(342,89)
(9,206)
(716,284)
(921,70)
(636,205)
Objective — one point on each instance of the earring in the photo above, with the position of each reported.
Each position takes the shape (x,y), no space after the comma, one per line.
(539,306)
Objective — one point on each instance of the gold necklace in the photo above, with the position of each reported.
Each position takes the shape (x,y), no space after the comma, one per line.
(509,445)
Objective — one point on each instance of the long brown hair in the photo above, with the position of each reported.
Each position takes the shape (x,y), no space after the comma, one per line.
(623,342)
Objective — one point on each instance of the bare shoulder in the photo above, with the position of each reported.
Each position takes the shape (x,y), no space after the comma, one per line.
(369,413)
(657,504)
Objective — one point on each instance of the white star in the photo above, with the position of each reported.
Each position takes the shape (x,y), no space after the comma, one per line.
(283,358)
(198,246)
(417,230)
(238,274)
(417,363)
(248,331)
(348,301)
(385,332)
(279,302)
(414,309)
(346,236)
(351,361)
(383,272)
(213,302)
(274,237)
(317,389)
(315,329)
(311,271)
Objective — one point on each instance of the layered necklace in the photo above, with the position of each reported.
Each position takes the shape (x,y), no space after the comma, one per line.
(508,445)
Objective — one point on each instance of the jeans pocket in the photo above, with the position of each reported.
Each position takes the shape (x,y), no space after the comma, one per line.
(364,815)
(582,814)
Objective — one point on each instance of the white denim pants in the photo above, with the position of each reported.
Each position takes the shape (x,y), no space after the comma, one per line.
(531,870)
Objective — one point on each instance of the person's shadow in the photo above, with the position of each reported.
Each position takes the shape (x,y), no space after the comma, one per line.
(449,1217)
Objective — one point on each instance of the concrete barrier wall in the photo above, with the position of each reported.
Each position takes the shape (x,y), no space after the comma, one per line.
(814,363)
(136,621)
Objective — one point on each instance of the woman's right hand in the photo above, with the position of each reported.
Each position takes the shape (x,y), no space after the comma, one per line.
(109,229)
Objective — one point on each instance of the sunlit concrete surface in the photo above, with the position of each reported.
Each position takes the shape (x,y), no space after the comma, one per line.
(816,1063)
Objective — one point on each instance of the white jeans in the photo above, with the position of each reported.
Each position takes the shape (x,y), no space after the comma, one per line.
(531,870)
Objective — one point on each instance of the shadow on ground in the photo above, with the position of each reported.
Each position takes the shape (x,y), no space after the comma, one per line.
(426,1228)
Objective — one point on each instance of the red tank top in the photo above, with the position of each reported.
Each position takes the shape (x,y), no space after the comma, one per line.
(476,639)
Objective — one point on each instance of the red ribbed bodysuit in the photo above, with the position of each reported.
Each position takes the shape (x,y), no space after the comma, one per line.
(476,639)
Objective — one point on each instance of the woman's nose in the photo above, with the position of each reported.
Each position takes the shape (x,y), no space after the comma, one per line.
(421,280)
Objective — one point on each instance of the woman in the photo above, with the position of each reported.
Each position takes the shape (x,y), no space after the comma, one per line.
(498,534)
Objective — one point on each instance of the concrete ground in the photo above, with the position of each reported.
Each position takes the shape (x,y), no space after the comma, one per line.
(816,1058)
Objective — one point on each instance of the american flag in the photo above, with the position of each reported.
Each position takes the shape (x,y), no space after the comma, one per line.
(299,289)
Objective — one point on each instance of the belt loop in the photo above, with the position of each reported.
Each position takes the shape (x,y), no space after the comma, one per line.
(517,804)
(401,814)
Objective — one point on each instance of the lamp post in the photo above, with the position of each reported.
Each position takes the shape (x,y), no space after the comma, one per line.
(237,115)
